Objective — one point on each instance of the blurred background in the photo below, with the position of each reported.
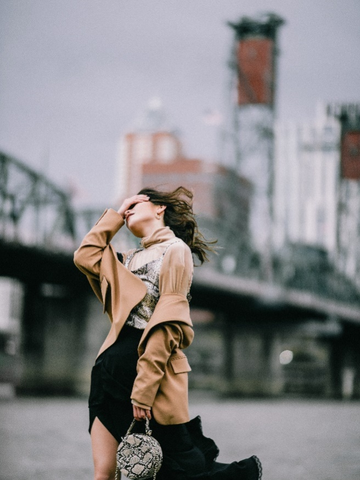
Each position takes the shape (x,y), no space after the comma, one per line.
(254,106)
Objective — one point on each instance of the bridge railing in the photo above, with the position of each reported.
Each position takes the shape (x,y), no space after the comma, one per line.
(299,267)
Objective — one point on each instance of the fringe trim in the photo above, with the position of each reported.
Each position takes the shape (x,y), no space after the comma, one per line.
(259,466)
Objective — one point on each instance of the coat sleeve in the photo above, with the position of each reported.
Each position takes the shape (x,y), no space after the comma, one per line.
(171,332)
(177,270)
(88,256)
(151,364)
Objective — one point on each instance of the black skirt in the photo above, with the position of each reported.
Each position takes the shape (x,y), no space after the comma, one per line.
(188,454)
(112,379)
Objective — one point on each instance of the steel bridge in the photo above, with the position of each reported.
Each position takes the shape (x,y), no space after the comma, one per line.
(40,229)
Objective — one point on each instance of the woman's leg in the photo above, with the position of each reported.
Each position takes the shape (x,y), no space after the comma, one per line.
(104,447)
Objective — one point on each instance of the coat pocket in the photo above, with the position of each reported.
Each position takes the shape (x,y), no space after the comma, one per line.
(180,364)
(104,289)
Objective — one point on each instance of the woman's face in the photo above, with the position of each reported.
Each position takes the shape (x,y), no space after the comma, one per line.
(141,218)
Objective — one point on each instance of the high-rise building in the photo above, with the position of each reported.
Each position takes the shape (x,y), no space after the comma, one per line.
(306,182)
(150,139)
(317,186)
(138,149)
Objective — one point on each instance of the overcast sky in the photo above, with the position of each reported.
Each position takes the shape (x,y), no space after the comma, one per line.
(76,73)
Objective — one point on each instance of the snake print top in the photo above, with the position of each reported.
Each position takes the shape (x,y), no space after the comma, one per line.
(149,274)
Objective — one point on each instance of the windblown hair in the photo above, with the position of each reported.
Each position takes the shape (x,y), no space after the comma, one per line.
(179,216)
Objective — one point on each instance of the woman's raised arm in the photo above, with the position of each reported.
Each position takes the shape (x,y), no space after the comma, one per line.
(88,256)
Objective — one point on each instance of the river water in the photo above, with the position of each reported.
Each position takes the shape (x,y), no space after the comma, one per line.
(47,439)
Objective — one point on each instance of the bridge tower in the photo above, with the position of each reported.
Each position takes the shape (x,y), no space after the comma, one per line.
(250,143)
(348,215)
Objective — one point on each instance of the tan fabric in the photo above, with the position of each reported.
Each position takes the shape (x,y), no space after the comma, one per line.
(166,365)
(160,383)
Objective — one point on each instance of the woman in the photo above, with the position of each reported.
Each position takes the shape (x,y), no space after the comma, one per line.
(141,370)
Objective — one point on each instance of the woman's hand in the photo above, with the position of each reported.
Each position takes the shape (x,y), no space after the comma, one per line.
(141,413)
(128,202)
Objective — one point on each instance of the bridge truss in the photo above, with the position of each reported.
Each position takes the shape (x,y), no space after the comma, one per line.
(33,210)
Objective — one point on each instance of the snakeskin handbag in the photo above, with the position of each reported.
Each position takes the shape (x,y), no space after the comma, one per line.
(139,455)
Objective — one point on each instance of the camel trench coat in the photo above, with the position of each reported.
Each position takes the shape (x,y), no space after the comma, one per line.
(162,368)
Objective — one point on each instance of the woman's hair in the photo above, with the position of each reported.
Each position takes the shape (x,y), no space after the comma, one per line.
(179,216)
